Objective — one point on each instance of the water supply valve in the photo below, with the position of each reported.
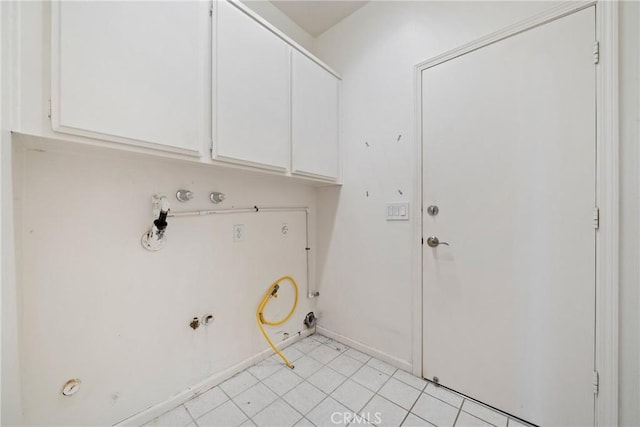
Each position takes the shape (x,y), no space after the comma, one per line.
(195,323)
(153,240)
(217,197)
(184,195)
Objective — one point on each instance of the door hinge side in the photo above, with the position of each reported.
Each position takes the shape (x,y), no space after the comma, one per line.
(422,241)
(49,109)
(596,52)
(596,382)
(596,218)
(211,8)
(211,148)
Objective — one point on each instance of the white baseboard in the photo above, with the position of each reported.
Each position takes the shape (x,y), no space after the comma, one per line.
(215,379)
(392,360)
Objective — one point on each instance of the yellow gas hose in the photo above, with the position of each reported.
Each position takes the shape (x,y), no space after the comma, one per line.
(273,292)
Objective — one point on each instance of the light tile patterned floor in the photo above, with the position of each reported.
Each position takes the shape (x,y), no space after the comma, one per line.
(331,385)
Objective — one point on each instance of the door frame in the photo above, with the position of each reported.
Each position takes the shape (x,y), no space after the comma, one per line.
(607,193)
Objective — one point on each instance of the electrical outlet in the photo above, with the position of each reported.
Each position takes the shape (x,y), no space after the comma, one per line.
(238,233)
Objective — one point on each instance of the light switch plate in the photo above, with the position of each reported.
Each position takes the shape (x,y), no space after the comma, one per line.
(397,211)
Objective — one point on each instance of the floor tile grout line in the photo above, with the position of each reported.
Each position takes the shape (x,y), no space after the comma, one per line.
(235,404)
(326,365)
(414,402)
(195,420)
(261,381)
(318,404)
(344,352)
(375,393)
(189,412)
(322,365)
(420,390)
(482,419)
(420,418)
(285,392)
(291,406)
(444,401)
(341,352)
(311,384)
(363,364)
(334,358)
(424,387)
(328,395)
(279,397)
(484,406)
(267,387)
(458,414)
(393,403)
(474,401)
(358,370)
(274,354)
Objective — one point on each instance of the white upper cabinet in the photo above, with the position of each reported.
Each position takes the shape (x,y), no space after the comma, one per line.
(132,72)
(315,119)
(251,97)
(176,78)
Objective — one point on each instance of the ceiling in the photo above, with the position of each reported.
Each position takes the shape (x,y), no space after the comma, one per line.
(315,17)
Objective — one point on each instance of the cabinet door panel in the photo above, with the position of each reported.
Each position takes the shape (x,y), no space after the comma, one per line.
(315,106)
(134,72)
(251,104)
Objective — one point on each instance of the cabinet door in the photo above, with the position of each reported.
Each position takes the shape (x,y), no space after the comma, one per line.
(315,107)
(251,100)
(133,72)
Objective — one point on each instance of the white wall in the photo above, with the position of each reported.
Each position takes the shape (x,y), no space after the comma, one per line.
(363,269)
(629,220)
(364,264)
(278,19)
(99,307)
(94,304)
(11,409)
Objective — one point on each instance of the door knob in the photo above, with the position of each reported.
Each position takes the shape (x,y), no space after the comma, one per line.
(434,242)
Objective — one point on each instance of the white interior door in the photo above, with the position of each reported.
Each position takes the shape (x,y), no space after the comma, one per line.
(509,159)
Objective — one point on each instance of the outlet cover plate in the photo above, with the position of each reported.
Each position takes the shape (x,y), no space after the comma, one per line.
(238,233)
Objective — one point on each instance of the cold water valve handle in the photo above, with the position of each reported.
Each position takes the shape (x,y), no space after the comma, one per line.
(153,240)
